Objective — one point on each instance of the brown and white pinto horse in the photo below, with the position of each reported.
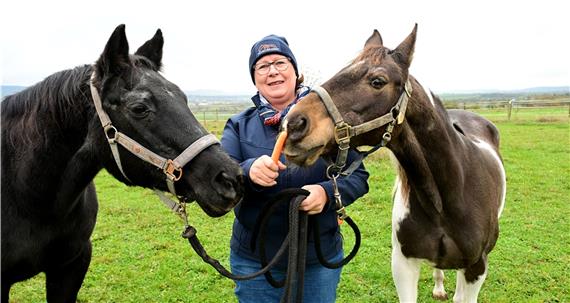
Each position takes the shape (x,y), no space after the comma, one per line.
(451,183)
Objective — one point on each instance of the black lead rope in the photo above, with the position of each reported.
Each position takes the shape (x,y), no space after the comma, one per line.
(296,221)
(348,258)
(297,252)
(190,234)
(297,236)
(296,240)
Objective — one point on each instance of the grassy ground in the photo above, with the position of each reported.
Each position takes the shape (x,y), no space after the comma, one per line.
(139,255)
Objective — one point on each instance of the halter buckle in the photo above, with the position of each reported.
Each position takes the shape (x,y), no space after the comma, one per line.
(342,133)
(172,171)
(341,213)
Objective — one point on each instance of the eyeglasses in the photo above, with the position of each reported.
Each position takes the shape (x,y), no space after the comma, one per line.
(280,65)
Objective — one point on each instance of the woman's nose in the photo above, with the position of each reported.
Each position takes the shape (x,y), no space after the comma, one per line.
(273,70)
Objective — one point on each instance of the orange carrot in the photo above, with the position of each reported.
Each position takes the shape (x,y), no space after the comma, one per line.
(279,146)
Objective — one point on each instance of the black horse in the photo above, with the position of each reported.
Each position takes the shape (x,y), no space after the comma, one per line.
(53,145)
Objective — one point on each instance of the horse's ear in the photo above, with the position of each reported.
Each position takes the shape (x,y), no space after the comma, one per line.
(115,57)
(374,40)
(152,49)
(405,51)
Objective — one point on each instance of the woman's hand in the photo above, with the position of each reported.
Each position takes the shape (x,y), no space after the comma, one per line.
(264,171)
(315,201)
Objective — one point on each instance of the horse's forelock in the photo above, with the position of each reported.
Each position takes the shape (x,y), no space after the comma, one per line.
(372,54)
(144,62)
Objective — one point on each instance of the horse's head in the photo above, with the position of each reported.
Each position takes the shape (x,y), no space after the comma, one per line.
(368,88)
(152,111)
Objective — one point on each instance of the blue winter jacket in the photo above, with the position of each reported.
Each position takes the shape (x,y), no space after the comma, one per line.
(246,138)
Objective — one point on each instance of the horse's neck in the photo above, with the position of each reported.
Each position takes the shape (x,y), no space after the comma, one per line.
(426,150)
(66,161)
(74,113)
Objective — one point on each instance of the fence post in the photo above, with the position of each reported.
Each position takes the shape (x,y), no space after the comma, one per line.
(510,108)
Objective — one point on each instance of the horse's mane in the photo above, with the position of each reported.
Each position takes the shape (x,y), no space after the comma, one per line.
(47,106)
(51,106)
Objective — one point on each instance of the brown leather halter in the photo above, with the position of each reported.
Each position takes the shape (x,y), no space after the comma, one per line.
(344,132)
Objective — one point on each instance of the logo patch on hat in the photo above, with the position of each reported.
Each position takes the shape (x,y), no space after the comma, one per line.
(266,47)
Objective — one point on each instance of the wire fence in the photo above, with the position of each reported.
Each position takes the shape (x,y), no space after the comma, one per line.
(512,108)
(505,109)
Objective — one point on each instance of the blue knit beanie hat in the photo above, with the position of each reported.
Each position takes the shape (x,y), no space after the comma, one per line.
(271,44)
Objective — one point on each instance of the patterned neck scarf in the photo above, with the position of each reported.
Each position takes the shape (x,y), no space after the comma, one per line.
(269,114)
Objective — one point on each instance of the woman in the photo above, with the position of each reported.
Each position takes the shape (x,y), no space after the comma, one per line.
(249,138)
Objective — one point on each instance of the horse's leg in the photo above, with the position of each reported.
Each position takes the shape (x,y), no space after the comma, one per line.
(470,281)
(406,273)
(459,286)
(474,278)
(63,283)
(438,292)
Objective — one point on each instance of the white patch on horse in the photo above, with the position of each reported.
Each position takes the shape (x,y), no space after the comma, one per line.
(356,65)
(438,291)
(138,94)
(359,63)
(400,196)
(401,207)
(378,69)
(465,291)
(405,271)
(487,147)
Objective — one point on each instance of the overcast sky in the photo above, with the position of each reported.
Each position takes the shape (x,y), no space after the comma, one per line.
(461,45)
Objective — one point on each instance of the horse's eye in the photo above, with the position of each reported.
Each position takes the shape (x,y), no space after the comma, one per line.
(139,110)
(378,82)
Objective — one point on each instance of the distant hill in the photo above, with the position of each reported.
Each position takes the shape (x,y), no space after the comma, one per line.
(492,95)
(195,96)
(530,90)
(218,96)
(545,90)
(213,92)
(198,97)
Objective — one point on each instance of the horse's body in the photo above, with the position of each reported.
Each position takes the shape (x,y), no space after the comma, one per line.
(451,184)
(53,145)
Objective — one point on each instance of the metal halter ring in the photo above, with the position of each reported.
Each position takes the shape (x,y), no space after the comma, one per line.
(333,171)
(173,172)
(111,133)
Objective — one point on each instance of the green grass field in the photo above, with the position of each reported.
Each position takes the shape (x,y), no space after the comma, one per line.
(139,255)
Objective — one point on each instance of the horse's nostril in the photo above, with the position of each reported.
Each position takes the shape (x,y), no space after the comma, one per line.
(226,185)
(224,179)
(297,127)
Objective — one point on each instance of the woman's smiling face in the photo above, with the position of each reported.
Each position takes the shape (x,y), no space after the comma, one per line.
(277,86)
